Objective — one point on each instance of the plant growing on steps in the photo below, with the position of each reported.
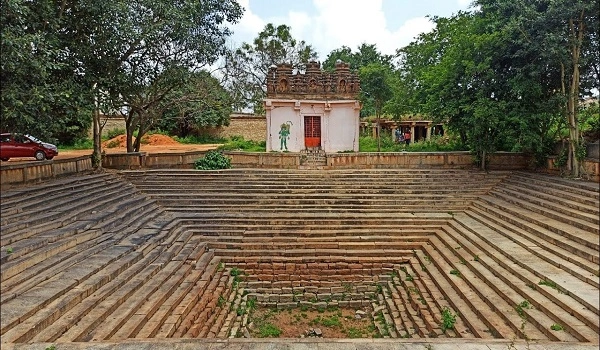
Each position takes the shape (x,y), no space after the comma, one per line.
(213,160)
(448,319)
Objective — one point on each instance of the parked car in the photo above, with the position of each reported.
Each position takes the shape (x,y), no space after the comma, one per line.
(19,145)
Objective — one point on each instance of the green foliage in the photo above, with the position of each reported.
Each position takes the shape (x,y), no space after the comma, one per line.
(269,330)
(9,250)
(556,327)
(213,160)
(201,101)
(455,272)
(520,308)
(221,301)
(548,283)
(237,143)
(448,319)
(112,133)
(200,139)
(352,332)
(435,144)
(589,119)
(57,57)
(246,67)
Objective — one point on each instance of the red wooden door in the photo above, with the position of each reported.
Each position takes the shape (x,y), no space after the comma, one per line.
(312,131)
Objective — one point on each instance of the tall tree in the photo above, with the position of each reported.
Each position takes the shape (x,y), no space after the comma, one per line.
(245,68)
(40,92)
(560,38)
(376,89)
(365,55)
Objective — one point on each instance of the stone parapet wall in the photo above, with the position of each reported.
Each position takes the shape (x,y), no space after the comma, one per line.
(37,171)
(41,170)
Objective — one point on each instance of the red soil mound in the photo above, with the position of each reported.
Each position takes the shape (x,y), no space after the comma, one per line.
(153,140)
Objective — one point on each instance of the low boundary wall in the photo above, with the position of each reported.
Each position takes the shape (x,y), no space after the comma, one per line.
(40,170)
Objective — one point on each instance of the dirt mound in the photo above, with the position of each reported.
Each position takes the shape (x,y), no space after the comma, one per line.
(152,140)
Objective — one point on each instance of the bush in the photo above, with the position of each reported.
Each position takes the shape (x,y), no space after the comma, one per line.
(213,160)
(237,143)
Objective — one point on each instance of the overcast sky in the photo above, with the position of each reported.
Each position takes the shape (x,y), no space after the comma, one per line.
(330,24)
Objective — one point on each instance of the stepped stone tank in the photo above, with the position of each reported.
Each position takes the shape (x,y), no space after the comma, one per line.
(150,257)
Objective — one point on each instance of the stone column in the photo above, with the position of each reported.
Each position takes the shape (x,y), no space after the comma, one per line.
(412,133)
(428,131)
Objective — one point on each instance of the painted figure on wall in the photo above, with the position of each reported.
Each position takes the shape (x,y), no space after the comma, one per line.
(284,135)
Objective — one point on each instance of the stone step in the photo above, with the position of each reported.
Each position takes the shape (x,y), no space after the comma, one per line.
(50,299)
(47,268)
(260,209)
(584,221)
(94,308)
(45,244)
(78,210)
(531,269)
(582,268)
(581,245)
(29,195)
(459,296)
(532,221)
(552,196)
(501,300)
(489,267)
(584,188)
(49,208)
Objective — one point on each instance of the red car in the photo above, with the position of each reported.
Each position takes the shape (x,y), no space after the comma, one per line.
(18,145)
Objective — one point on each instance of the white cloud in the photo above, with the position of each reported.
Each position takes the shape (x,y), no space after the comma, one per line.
(248,27)
(336,23)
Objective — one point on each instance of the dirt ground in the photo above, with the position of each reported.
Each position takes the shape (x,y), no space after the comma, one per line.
(294,323)
(150,144)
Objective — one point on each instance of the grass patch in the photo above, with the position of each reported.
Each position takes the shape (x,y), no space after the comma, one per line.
(238,143)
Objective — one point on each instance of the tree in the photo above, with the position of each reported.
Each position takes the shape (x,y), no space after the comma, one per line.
(40,94)
(365,55)
(155,47)
(562,37)
(245,68)
(376,89)
(61,59)
(200,102)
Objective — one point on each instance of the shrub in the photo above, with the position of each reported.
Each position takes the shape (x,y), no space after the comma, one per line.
(213,160)
(448,319)
(237,143)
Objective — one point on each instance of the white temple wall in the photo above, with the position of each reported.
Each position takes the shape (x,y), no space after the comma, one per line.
(339,124)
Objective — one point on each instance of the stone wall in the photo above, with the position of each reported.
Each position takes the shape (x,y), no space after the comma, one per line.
(247,125)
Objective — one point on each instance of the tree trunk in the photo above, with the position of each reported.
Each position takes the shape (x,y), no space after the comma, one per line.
(378,134)
(129,131)
(576,34)
(97,134)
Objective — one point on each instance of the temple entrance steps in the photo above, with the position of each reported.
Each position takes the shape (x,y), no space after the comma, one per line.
(178,254)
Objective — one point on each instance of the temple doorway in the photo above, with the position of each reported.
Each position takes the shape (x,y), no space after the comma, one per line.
(312,131)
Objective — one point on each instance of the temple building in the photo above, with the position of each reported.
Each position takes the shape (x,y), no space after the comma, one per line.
(314,110)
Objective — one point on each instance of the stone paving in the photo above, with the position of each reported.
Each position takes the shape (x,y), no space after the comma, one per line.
(148,258)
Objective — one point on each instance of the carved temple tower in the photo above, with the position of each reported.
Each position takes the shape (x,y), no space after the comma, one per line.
(312,110)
